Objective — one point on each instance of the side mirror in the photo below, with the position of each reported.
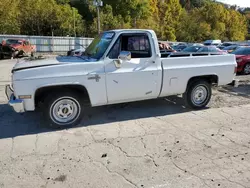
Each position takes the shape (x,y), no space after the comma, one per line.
(124,56)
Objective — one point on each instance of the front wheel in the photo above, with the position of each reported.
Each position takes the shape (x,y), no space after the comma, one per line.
(63,110)
(198,94)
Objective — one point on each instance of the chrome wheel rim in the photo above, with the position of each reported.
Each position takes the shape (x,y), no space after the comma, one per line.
(199,95)
(247,69)
(65,110)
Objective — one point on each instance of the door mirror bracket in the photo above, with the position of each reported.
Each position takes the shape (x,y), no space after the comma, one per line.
(117,63)
(124,56)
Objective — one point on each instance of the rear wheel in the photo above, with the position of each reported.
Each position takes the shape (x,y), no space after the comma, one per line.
(246,69)
(63,110)
(198,94)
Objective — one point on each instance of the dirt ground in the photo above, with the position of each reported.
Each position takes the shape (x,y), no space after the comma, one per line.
(148,144)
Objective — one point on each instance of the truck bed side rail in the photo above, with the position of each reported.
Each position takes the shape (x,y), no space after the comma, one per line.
(187,54)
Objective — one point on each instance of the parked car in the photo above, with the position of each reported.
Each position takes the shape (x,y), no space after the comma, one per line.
(118,66)
(231,48)
(192,49)
(226,44)
(197,44)
(243,59)
(76,52)
(16,47)
(211,49)
(179,48)
(212,42)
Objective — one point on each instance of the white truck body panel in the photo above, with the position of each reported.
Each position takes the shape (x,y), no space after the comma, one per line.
(75,72)
(178,71)
(137,79)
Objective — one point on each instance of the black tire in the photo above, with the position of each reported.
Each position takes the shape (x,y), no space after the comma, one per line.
(72,101)
(69,52)
(246,69)
(14,54)
(199,101)
(23,54)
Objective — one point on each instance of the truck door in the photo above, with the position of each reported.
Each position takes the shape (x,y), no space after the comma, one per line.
(135,79)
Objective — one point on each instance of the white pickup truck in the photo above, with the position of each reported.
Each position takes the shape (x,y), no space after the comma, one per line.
(118,66)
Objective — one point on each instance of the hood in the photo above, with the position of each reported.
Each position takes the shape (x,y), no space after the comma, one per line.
(51,61)
(14,45)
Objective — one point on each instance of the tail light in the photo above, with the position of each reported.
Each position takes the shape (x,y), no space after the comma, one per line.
(235,69)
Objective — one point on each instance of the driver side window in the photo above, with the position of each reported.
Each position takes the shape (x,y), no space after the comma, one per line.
(137,44)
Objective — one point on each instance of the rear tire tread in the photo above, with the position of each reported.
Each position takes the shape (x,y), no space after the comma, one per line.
(192,85)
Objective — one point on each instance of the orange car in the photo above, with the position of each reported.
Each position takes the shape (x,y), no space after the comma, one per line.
(16,47)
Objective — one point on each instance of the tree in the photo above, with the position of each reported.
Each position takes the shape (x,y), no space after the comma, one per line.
(236,26)
(37,19)
(9,17)
(186,20)
(131,11)
(169,14)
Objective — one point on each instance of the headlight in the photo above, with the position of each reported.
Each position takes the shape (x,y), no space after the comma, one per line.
(238,60)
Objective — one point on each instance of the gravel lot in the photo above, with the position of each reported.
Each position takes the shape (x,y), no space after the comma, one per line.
(152,144)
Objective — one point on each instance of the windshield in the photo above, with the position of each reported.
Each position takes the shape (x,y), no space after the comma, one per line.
(99,45)
(242,51)
(11,41)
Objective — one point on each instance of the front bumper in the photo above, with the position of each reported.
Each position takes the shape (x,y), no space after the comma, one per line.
(16,104)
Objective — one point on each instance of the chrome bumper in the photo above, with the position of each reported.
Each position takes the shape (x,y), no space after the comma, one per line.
(16,104)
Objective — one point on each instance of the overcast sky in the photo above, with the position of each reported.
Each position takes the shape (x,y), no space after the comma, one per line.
(241,3)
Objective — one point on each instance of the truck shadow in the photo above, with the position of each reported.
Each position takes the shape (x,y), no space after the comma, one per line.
(13,124)
(242,91)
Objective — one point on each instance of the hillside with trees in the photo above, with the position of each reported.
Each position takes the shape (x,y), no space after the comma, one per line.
(182,20)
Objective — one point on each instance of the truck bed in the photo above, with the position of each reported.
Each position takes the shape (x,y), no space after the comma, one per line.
(178,70)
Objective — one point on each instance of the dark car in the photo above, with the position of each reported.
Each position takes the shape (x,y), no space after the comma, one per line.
(179,48)
(231,48)
(211,49)
(226,44)
(243,59)
(1,51)
(192,49)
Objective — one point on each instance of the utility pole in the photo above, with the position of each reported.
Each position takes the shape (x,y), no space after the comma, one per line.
(74,21)
(98,4)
